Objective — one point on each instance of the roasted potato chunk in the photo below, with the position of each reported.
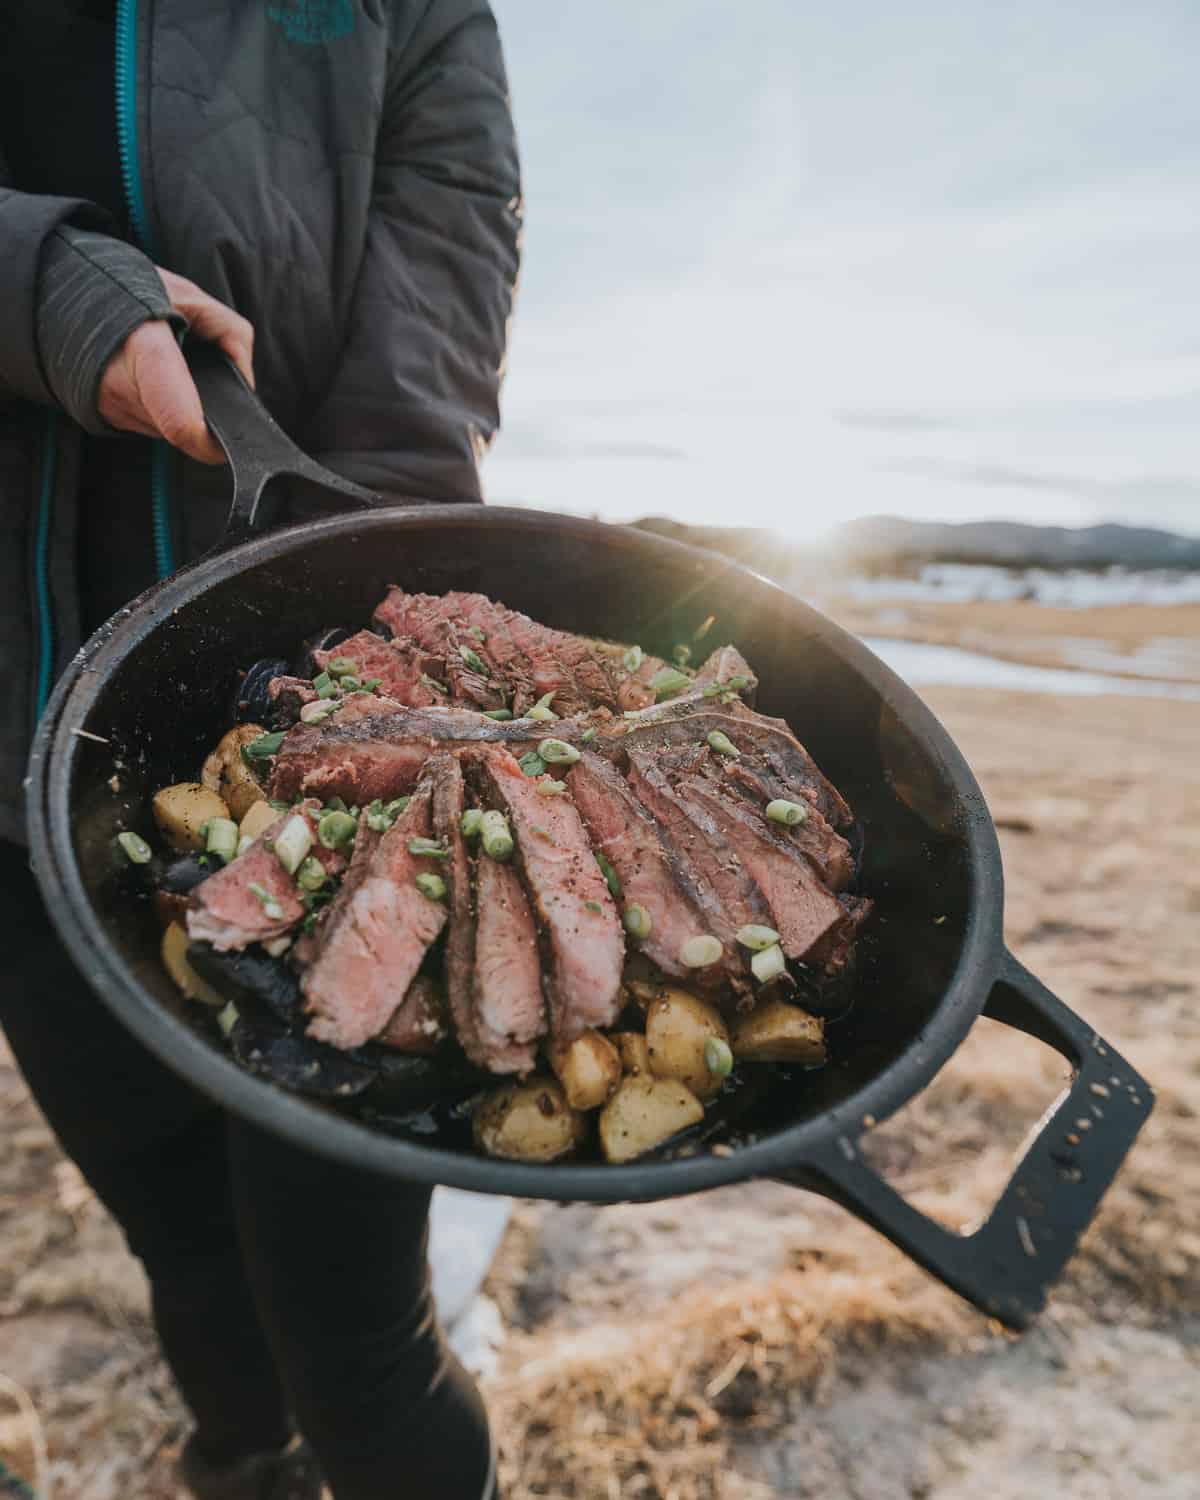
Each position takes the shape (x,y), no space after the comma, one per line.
(257,819)
(181,811)
(643,1113)
(529,1121)
(778,1032)
(635,1055)
(227,774)
(678,1025)
(174,959)
(589,1069)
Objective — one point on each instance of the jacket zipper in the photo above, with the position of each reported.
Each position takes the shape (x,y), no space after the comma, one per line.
(41,564)
(139,218)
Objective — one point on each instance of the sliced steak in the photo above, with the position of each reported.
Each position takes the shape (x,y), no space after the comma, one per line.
(230,909)
(803,910)
(405,672)
(377,752)
(434,624)
(418,1025)
(650,871)
(835,951)
(725,663)
(288,695)
(449,799)
(727,895)
(581,931)
(510,1010)
(372,946)
(827,851)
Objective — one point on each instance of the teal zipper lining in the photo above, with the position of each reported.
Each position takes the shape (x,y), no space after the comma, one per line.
(41,562)
(139,218)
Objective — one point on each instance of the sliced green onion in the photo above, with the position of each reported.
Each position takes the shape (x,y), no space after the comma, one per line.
(431,886)
(379,820)
(293,843)
(342,666)
(498,713)
(428,849)
(636,920)
(471,823)
(349,683)
(738,683)
(336,804)
(474,661)
(588,735)
(263,747)
(318,712)
(718,1059)
(477,633)
(789,813)
(532,764)
(700,952)
(271,908)
(278,804)
(336,829)
(496,836)
(311,874)
(432,684)
(593,906)
(135,848)
(667,682)
(221,838)
(227,1019)
(548,787)
(610,875)
(757,938)
(372,684)
(682,654)
(714,690)
(558,752)
(324,685)
(722,744)
(768,965)
(396,807)
(541,710)
(633,658)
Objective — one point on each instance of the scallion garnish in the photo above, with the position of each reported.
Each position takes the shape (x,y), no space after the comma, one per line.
(271,907)
(633,658)
(636,920)
(293,842)
(532,764)
(336,829)
(342,666)
(610,875)
(431,886)
(135,848)
(496,836)
(557,752)
(722,744)
(474,660)
(263,748)
(788,813)
(500,714)
(472,821)
(428,849)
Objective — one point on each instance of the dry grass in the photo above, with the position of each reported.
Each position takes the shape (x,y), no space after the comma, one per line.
(760,1342)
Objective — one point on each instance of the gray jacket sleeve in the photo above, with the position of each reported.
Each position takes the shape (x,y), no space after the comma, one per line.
(415,399)
(71,295)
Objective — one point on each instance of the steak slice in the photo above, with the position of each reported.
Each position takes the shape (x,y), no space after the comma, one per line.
(827,851)
(581,931)
(445,777)
(727,895)
(229,909)
(405,672)
(418,1026)
(364,753)
(510,1011)
(373,944)
(803,910)
(725,662)
(646,863)
(435,625)
(288,695)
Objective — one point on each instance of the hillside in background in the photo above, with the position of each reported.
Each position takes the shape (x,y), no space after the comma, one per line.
(889,544)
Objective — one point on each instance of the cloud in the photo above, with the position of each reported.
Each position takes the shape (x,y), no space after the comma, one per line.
(1169,489)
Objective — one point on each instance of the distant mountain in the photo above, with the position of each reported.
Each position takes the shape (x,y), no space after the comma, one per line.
(878,544)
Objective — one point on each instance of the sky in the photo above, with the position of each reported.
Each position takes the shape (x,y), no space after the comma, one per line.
(787,263)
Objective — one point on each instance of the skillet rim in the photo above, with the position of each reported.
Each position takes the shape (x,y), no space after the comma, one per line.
(310,1126)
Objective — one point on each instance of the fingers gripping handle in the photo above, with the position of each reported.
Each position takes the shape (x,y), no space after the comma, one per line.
(1006,1266)
(256,446)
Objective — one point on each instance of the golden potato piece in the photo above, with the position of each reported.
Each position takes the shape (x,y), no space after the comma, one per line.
(181,811)
(635,1055)
(227,774)
(529,1121)
(678,1025)
(174,959)
(643,1113)
(589,1069)
(778,1032)
(257,820)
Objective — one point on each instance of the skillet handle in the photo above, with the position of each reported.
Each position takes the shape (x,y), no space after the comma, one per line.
(1007,1264)
(256,446)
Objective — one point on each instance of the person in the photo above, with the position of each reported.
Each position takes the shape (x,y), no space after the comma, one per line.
(329,190)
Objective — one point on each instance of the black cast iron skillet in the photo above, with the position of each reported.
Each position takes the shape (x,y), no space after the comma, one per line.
(145,697)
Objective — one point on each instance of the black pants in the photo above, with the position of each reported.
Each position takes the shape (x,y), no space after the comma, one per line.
(285,1288)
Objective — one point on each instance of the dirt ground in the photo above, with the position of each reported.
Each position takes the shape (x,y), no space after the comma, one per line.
(759,1342)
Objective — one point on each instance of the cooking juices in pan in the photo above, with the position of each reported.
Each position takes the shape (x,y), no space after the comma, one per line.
(470,876)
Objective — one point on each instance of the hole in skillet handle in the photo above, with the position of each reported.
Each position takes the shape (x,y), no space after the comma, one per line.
(1006,1266)
(259,450)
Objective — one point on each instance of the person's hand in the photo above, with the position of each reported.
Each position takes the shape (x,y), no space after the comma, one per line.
(147,387)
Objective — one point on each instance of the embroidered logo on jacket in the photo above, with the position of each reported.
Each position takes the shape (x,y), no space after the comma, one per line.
(312,21)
